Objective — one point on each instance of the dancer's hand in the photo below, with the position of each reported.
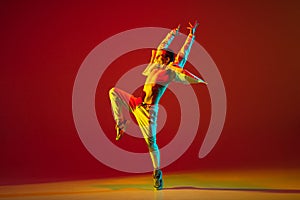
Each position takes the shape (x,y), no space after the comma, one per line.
(193,28)
(177,29)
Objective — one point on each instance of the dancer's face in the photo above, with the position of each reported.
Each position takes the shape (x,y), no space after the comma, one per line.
(161,57)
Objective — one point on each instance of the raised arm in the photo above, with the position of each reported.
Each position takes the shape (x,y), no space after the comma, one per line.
(184,52)
(169,38)
(163,45)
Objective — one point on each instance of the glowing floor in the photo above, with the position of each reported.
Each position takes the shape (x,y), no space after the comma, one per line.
(231,185)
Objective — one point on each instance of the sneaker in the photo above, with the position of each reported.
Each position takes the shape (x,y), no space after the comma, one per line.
(121,129)
(157,179)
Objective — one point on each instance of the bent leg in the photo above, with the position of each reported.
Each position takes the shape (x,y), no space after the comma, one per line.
(120,99)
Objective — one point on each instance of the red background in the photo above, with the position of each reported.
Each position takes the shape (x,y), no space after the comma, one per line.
(255,45)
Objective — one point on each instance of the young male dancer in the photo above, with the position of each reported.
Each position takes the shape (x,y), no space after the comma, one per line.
(163,68)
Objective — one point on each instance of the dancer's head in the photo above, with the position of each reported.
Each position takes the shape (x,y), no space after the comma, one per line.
(164,56)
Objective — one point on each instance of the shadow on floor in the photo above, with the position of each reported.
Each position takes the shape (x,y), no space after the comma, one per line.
(284,191)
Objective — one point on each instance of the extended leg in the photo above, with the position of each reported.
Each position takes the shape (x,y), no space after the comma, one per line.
(147,120)
(155,156)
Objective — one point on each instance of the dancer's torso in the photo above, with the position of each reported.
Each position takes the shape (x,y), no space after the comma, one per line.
(156,84)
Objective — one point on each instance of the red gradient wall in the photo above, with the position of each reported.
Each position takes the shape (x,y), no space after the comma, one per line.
(255,45)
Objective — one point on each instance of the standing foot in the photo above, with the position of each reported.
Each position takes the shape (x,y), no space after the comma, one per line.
(157,179)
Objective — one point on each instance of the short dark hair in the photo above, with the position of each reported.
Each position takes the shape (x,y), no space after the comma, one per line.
(169,53)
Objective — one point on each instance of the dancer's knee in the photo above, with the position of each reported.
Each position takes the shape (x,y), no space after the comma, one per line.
(113,93)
